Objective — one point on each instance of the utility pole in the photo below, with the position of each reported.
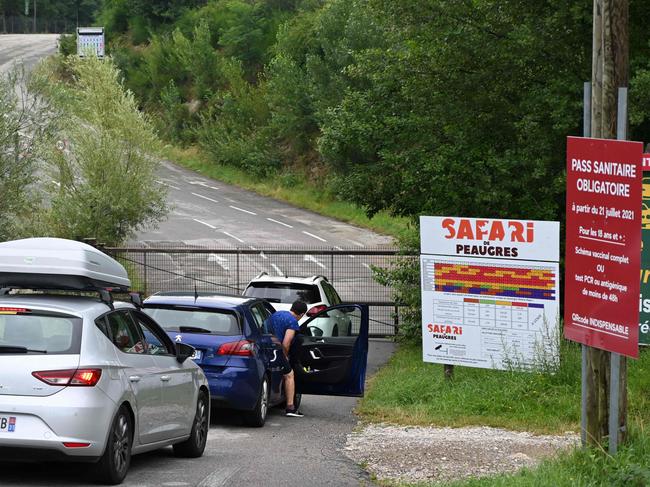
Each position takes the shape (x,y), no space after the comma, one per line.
(609,71)
(34,28)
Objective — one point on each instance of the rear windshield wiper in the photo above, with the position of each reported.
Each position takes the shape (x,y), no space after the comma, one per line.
(192,329)
(17,349)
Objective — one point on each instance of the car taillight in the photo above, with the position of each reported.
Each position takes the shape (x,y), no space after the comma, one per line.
(13,311)
(316,309)
(69,377)
(243,348)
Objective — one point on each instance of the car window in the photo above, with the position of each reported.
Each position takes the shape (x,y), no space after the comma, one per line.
(280,292)
(41,332)
(260,314)
(332,296)
(124,333)
(192,320)
(155,343)
(339,322)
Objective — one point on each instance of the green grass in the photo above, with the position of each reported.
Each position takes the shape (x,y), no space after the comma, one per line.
(290,189)
(410,392)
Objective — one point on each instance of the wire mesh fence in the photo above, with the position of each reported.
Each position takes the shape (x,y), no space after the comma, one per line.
(22,24)
(229,270)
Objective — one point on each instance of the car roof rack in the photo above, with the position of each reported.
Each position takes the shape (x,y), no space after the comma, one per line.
(55,264)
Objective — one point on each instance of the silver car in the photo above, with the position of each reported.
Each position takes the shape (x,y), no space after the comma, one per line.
(86,379)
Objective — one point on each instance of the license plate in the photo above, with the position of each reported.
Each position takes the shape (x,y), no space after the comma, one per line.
(7,424)
(196,355)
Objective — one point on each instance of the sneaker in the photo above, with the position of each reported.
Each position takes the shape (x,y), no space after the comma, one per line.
(294,413)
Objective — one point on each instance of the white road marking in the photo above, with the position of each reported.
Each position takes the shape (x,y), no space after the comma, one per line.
(167,184)
(204,223)
(220,477)
(205,197)
(261,253)
(339,248)
(358,244)
(311,258)
(278,270)
(314,236)
(57,183)
(232,236)
(241,209)
(280,223)
(221,261)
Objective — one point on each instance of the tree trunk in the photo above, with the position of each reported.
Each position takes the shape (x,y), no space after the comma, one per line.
(609,71)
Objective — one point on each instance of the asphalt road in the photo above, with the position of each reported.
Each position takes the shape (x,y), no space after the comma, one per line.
(211,213)
(28,48)
(285,452)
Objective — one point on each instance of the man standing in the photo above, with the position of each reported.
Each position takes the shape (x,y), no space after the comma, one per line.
(284,325)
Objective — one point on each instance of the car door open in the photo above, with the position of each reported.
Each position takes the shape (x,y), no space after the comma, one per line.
(332,365)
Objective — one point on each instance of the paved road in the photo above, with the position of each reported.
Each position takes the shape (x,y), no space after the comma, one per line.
(28,48)
(211,213)
(285,452)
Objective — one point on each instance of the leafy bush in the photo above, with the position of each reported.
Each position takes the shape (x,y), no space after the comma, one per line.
(67,44)
(105,169)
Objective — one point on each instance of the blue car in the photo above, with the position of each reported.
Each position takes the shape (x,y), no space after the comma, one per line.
(237,353)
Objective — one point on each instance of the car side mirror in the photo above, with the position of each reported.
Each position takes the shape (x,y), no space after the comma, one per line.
(183,352)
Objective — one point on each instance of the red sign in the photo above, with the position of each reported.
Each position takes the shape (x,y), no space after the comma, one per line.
(603,244)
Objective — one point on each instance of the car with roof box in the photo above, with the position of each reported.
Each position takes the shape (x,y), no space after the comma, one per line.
(84,377)
(239,355)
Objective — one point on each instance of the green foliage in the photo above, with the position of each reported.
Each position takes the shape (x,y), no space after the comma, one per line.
(106,185)
(27,124)
(67,45)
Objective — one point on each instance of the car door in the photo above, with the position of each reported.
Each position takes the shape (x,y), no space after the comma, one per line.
(269,348)
(177,380)
(332,365)
(141,373)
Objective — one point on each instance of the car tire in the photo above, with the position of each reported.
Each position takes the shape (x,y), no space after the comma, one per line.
(194,446)
(114,463)
(257,417)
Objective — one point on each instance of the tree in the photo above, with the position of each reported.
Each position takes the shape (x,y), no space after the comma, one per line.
(26,126)
(106,183)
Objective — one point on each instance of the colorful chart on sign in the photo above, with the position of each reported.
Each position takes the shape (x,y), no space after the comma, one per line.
(490,314)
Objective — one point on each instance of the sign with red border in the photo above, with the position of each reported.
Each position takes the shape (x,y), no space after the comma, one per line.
(603,244)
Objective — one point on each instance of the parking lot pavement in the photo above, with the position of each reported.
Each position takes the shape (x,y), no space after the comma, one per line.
(285,452)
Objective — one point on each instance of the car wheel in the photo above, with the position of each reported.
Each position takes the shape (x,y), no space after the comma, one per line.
(257,417)
(114,463)
(194,446)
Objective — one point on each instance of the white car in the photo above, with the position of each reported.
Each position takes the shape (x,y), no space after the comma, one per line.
(315,291)
(83,378)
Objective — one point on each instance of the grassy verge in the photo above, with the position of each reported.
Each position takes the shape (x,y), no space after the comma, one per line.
(291,190)
(410,392)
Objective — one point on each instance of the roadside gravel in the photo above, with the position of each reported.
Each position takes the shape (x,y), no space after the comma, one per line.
(427,454)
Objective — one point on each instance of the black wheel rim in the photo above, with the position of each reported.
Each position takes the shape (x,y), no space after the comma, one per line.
(121,444)
(201,422)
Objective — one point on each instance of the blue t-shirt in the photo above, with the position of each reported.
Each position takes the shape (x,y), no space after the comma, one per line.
(281,321)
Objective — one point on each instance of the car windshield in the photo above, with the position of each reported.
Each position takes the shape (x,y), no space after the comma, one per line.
(34,333)
(217,322)
(283,292)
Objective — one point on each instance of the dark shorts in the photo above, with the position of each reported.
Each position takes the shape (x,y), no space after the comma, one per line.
(281,363)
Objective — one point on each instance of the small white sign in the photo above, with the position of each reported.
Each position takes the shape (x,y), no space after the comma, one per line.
(490,238)
(90,40)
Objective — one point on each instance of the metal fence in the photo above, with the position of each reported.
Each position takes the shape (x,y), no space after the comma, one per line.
(22,24)
(229,270)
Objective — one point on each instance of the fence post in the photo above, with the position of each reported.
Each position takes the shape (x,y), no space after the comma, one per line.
(237,283)
(145,274)
(396,319)
(332,265)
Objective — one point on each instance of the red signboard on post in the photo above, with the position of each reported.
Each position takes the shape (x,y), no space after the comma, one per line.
(603,244)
